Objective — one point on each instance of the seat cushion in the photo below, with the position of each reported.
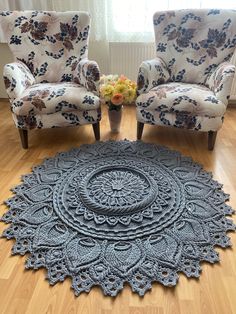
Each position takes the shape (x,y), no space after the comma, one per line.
(46,98)
(182,97)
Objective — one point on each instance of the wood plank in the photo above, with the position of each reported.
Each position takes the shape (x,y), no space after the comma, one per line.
(28,292)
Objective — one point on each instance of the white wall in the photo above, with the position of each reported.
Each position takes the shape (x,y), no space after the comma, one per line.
(5,57)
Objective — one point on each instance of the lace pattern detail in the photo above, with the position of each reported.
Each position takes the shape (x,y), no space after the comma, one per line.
(116,212)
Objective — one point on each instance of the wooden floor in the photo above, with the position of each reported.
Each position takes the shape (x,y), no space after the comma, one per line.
(28,292)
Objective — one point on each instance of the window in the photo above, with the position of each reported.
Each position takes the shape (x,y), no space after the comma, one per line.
(132,20)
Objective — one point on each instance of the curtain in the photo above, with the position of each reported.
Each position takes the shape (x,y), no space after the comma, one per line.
(115,20)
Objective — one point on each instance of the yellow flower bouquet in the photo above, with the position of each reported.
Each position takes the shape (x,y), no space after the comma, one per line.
(117,90)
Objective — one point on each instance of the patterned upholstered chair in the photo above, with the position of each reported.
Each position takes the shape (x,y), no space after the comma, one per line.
(51,83)
(188,84)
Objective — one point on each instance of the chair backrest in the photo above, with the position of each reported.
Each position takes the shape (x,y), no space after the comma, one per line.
(50,43)
(194,42)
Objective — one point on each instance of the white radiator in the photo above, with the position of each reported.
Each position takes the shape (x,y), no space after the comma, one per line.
(125,58)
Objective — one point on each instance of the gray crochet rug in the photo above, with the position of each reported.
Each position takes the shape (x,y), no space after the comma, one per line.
(118,212)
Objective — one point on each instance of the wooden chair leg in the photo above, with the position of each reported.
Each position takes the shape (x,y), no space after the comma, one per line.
(211,139)
(24,138)
(140,126)
(96,130)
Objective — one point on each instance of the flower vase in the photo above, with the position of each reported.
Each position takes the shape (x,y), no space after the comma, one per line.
(115,119)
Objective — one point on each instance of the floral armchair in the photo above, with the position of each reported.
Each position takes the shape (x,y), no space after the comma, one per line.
(51,83)
(188,84)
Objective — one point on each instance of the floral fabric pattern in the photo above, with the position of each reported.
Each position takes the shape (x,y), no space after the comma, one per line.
(220,81)
(192,43)
(188,84)
(88,75)
(46,98)
(52,77)
(57,119)
(51,44)
(17,78)
(179,120)
(176,97)
(152,73)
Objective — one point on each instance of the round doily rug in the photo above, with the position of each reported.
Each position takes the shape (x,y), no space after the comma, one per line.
(115,212)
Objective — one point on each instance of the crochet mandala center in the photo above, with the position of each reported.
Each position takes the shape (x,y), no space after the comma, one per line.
(117,190)
(119,198)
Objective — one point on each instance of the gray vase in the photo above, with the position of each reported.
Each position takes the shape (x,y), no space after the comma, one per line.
(115,120)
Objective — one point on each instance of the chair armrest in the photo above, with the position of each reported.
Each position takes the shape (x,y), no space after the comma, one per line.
(220,81)
(17,77)
(88,75)
(151,73)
